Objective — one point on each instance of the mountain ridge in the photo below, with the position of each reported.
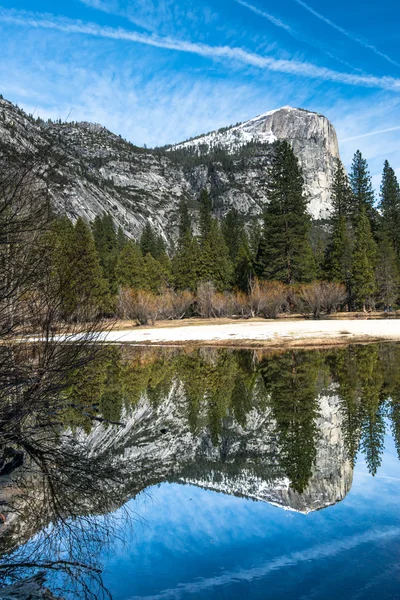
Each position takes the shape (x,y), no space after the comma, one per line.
(99,172)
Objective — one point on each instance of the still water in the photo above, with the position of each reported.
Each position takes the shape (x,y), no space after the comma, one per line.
(237,474)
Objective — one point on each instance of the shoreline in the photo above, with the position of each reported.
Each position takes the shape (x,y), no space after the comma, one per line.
(257,333)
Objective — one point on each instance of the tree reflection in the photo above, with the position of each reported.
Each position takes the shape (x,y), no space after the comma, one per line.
(291,383)
(236,414)
(51,488)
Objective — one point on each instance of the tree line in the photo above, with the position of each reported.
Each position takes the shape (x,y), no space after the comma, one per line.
(221,267)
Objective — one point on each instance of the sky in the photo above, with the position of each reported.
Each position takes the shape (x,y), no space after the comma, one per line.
(161,71)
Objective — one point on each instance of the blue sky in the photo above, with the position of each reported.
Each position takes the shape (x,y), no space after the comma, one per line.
(159,71)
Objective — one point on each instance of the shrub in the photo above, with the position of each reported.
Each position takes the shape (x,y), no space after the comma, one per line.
(175,305)
(222,305)
(266,298)
(140,306)
(321,296)
(205,293)
(241,305)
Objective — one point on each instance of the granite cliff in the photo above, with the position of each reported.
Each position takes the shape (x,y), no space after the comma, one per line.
(99,172)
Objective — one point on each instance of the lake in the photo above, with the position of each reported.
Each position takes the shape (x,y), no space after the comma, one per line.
(222,474)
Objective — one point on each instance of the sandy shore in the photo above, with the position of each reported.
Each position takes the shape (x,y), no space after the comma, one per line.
(276,333)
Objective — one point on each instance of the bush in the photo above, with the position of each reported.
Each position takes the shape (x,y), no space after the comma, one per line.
(140,306)
(321,296)
(205,293)
(241,304)
(175,305)
(213,304)
(266,298)
(223,305)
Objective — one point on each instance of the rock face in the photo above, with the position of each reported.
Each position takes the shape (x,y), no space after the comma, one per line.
(311,135)
(157,445)
(99,172)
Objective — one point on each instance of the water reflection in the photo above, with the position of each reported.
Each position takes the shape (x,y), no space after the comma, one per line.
(284,428)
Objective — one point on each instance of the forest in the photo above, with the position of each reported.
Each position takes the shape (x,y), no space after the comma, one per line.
(229,267)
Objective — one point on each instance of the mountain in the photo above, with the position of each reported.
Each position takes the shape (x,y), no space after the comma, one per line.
(98,171)
(311,135)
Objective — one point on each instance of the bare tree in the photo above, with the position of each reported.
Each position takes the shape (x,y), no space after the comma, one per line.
(46,478)
(322,296)
(266,298)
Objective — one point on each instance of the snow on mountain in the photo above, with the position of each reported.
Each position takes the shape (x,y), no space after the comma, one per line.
(100,172)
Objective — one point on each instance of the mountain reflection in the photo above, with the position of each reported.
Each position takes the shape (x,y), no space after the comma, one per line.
(284,428)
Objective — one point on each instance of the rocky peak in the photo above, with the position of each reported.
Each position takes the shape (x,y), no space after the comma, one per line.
(311,135)
(99,172)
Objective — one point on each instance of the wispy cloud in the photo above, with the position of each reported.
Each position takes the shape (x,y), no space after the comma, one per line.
(292,32)
(112,7)
(265,15)
(236,54)
(348,34)
(365,135)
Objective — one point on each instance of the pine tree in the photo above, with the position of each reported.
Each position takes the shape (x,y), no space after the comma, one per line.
(364,261)
(338,258)
(130,271)
(215,264)
(121,239)
(255,235)
(390,206)
(285,252)
(341,193)
(205,216)
(243,268)
(387,272)
(156,274)
(185,222)
(90,289)
(363,192)
(232,230)
(185,263)
(148,241)
(291,384)
(105,239)
(62,243)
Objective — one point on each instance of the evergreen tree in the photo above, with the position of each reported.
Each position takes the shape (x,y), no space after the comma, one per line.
(214,264)
(205,216)
(232,230)
(319,245)
(89,287)
(363,192)
(338,258)
(341,193)
(121,239)
(345,374)
(387,271)
(130,271)
(255,235)
(151,243)
(390,206)
(62,243)
(285,252)
(160,250)
(105,239)
(364,261)
(243,268)
(373,418)
(291,382)
(185,222)
(156,274)
(185,263)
